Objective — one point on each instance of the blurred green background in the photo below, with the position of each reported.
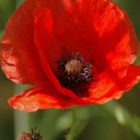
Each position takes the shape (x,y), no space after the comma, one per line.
(115,120)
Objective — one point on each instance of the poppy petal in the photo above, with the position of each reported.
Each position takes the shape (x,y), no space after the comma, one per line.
(134,45)
(78,31)
(46,38)
(41,98)
(19,56)
(49,34)
(125,84)
(56,6)
(105,35)
(105,81)
(53,78)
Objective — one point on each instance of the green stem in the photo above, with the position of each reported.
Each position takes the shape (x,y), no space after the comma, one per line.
(73,127)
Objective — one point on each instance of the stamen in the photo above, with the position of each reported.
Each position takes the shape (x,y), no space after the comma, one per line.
(73,73)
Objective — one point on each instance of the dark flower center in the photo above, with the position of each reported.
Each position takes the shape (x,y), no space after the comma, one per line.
(74,74)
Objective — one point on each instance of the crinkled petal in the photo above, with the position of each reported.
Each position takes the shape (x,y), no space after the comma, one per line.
(53,78)
(48,38)
(56,6)
(42,98)
(102,33)
(49,34)
(125,84)
(134,45)
(19,56)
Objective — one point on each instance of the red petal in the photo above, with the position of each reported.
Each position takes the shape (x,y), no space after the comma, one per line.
(101,31)
(49,35)
(134,45)
(19,57)
(105,81)
(125,84)
(56,6)
(78,31)
(48,38)
(53,79)
(41,98)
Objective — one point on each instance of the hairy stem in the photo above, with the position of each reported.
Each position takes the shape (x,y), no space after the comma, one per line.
(73,127)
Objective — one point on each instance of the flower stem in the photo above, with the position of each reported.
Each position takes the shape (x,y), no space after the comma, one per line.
(73,127)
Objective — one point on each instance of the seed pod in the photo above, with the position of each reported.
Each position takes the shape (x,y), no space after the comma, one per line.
(73,67)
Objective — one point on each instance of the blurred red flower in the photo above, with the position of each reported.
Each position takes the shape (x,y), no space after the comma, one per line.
(74,53)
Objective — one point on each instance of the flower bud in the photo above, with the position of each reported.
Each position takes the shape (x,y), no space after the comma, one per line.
(24,136)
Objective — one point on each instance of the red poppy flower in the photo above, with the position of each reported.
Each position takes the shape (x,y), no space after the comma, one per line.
(77,53)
